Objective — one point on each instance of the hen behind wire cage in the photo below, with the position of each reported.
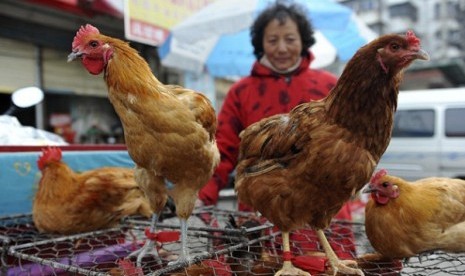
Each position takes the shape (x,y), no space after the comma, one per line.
(217,246)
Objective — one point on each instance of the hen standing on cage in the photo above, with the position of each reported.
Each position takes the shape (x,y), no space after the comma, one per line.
(300,168)
(169,130)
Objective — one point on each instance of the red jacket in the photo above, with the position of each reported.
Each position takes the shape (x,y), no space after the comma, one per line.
(262,94)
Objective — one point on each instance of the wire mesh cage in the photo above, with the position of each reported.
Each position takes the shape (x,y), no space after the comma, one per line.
(14,230)
(221,242)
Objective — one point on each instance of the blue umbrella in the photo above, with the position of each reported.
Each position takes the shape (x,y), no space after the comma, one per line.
(216,39)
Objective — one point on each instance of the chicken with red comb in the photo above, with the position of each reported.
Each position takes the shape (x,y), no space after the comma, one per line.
(169,130)
(403,219)
(299,168)
(67,202)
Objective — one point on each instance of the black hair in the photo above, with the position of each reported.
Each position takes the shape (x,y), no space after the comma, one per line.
(280,10)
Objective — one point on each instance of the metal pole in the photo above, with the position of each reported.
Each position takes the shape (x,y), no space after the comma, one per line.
(39,108)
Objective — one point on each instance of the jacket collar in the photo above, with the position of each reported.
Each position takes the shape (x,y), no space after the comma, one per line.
(261,70)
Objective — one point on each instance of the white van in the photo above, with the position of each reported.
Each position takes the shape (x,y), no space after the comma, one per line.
(428,138)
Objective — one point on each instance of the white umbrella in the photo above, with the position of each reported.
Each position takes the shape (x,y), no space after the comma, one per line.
(216,38)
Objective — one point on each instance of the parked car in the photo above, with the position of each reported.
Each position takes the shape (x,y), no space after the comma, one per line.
(428,138)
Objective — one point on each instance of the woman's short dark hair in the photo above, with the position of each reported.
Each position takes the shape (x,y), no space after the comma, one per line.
(281,11)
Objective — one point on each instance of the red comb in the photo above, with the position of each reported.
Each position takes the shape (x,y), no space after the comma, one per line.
(49,154)
(82,33)
(375,178)
(412,38)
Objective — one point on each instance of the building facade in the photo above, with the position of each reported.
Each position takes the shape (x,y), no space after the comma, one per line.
(439,23)
(36,36)
(35,40)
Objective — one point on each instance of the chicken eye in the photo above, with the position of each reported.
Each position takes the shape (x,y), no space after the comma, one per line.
(395,46)
(385,184)
(93,44)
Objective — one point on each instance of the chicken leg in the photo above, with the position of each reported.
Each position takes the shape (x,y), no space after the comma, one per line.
(184,254)
(150,247)
(336,264)
(288,268)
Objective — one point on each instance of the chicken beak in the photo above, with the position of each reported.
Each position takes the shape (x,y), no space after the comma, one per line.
(74,55)
(421,54)
(368,189)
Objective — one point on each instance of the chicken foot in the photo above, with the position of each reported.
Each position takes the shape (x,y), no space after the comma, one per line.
(184,255)
(288,268)
(337,265)
(150,246)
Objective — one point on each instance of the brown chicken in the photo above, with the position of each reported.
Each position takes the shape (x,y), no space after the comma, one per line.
(169,130)
(403,219)
(300,168)
(67,202)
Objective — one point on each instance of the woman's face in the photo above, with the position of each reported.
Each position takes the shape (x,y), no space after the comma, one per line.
(282,43)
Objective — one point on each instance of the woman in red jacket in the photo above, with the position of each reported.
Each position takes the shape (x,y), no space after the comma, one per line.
(280,79)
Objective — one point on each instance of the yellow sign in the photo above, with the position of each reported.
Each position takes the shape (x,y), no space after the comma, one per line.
(149,21)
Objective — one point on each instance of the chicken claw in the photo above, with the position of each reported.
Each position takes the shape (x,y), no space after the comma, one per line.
(150,246)
(346,267)
(289,269)
(342,266)
(148,249)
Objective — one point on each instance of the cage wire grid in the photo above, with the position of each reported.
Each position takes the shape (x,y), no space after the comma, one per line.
(216,245)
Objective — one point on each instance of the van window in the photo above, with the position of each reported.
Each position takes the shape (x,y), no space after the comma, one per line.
(414,123)
(455,125)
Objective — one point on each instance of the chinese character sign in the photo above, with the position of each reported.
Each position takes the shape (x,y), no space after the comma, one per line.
(149,21)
